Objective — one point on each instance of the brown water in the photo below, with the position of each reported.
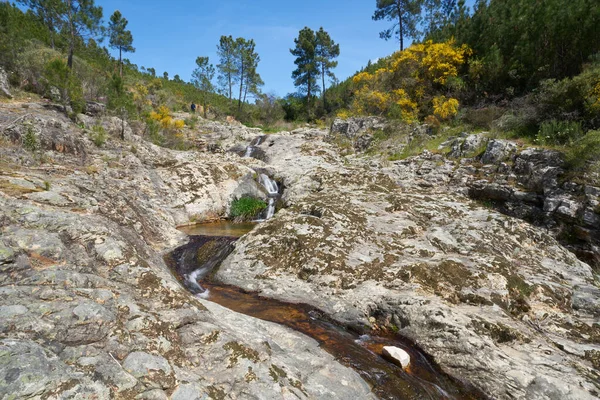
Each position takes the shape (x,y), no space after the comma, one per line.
(422,380)
(221,228)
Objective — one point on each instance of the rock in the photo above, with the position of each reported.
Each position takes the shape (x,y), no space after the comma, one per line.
(467,146)
(352,127)
(4,85)
(153,370)
(397,356)
(498,150)
(7,254)
(405,246)
(49,197)
(188,392)
(28,370)
(116,127)
(94,109)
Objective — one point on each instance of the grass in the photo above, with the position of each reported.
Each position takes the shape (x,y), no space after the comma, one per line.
(247,207)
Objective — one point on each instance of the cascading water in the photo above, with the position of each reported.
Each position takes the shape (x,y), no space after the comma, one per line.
(273,191)
(250,149)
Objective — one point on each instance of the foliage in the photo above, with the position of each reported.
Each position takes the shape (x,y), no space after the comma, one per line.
(202,78)
(120,37)
(555,132)
(270,109)
(30,141)
(59,76)
(247,207)
(409,85)
(518,43)
(404,14)
(306,72)
(444,108)
(226,50)
(166,122)
(584,150)
(246,63)
(98,135)
(326,51)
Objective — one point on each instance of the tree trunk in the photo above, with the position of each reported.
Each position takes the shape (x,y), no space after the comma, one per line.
(120,62)
(72,29)
(204,106)
(400,25)
(323,75)
(241,87)
(230,86)
(308,98)
(71,52)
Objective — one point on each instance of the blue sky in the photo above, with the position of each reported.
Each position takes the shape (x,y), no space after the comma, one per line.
(168,36)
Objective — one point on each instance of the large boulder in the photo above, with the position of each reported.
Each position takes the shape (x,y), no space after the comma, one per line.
(353,127)
(467,146)
(498,150)
(95,109)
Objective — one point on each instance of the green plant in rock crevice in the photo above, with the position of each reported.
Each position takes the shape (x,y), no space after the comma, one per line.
(246,207)
(30,141)
(98,135)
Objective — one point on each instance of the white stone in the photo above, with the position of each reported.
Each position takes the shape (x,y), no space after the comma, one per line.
(397,356)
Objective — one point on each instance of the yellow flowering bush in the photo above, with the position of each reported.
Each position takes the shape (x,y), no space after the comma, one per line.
(407,86)
(444,108)
(165,120)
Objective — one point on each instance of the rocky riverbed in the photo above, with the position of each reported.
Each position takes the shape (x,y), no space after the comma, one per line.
(90,310)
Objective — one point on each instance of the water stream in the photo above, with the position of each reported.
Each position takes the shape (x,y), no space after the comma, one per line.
(253,145)
(273,191)
(193,264)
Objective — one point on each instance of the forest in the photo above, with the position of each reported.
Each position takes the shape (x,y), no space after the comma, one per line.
(519,68)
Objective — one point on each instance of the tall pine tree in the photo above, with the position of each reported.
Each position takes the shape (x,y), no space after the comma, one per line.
(202,79)
(326,51)
(405,15)
(307,71)
(226,50)
(120,37)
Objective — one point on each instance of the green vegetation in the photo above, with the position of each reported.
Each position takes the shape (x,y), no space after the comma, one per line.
(30,141)
(315,54)
(513,67)
(247,207)
(98,135)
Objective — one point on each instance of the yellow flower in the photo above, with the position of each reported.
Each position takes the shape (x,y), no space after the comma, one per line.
(445,108)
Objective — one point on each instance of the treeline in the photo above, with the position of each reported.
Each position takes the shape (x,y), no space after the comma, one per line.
(53,48)
(523,68)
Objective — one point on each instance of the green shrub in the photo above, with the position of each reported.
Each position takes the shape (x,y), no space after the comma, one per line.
(482,117)
(30,141)
(555,132)
(584,150)
(99,135)
(191,122)
(247,207)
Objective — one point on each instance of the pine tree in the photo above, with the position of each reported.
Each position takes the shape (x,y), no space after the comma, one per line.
(406,15)
(325,52)
(307,71)
(226,50)
(246,61)
(49,12)
(202,78)
(81,19)
(120,37)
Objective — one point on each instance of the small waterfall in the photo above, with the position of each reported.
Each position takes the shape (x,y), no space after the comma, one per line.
(205,252)
(253,144)
(273,190)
